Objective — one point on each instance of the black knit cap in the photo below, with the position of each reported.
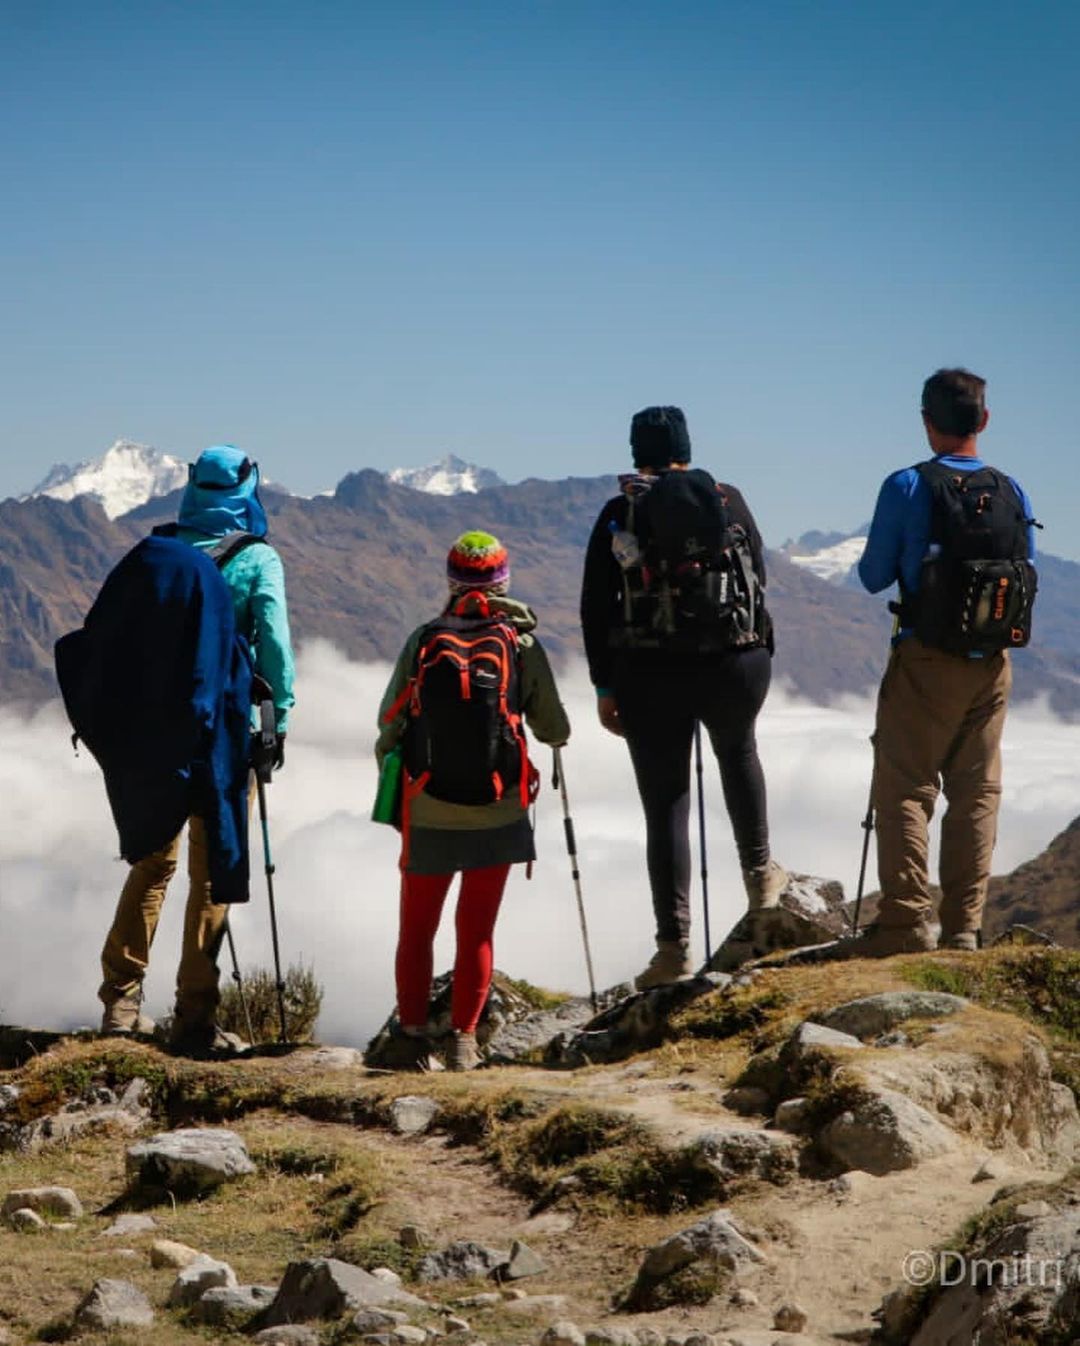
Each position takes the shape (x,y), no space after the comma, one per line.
(658,436)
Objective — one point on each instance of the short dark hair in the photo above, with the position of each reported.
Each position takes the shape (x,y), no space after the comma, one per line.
(954,402)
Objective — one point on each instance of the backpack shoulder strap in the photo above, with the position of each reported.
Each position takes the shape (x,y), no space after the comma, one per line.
(232,544)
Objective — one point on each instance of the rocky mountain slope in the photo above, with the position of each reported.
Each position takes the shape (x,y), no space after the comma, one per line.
(449,476)
(126,476)
(783,1159)
(366,563)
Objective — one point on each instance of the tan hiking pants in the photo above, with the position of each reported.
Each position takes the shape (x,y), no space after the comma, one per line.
(126,954)
(939,723)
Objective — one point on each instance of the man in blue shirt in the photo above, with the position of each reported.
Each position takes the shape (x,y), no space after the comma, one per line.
(940,713)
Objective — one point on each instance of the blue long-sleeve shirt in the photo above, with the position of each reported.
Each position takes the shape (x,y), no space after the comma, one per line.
(900,532)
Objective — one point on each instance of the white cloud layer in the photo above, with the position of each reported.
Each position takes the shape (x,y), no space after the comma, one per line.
(337,875)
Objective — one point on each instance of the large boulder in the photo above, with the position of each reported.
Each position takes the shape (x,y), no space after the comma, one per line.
(734,1153)
(461,1261)
(811,911)
(884,1132)
(189,1161)
(715,1239)
(324,1287)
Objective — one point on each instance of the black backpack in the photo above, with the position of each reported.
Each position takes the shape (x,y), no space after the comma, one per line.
(977,586)
(465,732)
(687,570)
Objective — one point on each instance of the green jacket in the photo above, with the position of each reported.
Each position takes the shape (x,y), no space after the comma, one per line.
(256,578)
(544,715)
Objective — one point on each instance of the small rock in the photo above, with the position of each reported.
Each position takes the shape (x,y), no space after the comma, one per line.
(325,1287)
(205,1273)
(1032,1210)
(740,1153)
(810,1036)
(648,1336)
(841,1186)
(530,1304)
(24,1219)
(512,1292)
(747,1100)
(873,1015)
(790,1115)
(134,1096)
(112,1303)
(897,1038)
(8,1094)
(698,1339)
(335,1058)
(407,1335)
(414,1237)
(563,1333)
(715,1239)
(790,1317)
(523,1262)
(192,1159)
(368,1321)
(488,1299)
(232,1306)
(992,1169)
(166,1253)
(884,1133)
(611,1336)
(745,1299)
(387,1275)
(454,1325)
(412,1114)
(461,1261)
(59,1201)
(288,1334)
(125,1225)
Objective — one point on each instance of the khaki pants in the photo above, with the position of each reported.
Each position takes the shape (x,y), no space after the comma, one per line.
(939,723)
(126,954)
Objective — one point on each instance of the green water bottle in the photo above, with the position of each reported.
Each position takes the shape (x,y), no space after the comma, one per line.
(387,807)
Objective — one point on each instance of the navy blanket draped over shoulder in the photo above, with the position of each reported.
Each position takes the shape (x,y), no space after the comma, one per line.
(157,684)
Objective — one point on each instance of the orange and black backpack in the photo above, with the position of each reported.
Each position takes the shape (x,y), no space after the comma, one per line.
(465,732)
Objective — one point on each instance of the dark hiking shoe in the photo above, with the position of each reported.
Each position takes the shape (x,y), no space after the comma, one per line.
(965,940)
(874,941)
(123,1018)
(408,1049)
(205,1041)
(671,962)
(464,1054)
(764,886)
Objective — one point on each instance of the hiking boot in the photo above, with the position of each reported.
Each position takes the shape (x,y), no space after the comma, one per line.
(204,1040)
(764,886)
(464,1054)
(408,1048)
(671,962)
(123,1018)
(883,941)
(965,940)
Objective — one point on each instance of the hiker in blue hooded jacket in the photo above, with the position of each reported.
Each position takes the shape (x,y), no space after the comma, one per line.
(222,516)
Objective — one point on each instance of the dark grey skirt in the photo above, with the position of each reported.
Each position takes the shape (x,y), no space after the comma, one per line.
(444,850)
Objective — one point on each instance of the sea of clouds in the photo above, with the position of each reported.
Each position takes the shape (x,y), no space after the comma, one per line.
(336,871)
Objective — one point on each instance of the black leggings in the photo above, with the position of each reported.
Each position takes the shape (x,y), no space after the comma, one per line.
(658,707)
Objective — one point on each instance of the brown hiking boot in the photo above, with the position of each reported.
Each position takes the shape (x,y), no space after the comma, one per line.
(764,886)
(464,1054)
(124,1018)
(671,962)
(883,941)
(965,940)
(204,1040)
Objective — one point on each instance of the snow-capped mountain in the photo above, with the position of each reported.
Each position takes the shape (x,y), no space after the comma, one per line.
(123,478)
(829,556)
(450,476)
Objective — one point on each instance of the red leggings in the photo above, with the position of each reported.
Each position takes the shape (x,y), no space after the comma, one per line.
(422,898)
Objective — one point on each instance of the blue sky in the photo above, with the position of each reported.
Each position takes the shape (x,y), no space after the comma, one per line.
(346,234)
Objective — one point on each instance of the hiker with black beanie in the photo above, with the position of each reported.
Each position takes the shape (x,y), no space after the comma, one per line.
(676,634)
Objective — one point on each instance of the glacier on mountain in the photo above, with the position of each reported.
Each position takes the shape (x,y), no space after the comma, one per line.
(835,563)
(126,476)
(450,476)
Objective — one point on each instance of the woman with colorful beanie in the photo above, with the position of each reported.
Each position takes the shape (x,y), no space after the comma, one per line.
(455,702)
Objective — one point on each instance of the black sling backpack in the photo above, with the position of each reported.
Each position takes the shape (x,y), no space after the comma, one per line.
(977,586)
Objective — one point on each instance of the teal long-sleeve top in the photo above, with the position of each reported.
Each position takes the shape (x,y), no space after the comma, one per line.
(256,579)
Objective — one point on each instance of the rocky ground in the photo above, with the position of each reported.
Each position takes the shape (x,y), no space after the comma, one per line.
(748,1160)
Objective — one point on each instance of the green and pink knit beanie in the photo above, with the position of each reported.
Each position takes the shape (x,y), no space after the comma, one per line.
(478,561)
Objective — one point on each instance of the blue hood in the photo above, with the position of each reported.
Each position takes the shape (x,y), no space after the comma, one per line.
(222,494)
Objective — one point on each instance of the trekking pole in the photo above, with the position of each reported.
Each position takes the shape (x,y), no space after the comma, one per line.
(239,982)
(868,827)
(558,781)
(264,765)
(701,840)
